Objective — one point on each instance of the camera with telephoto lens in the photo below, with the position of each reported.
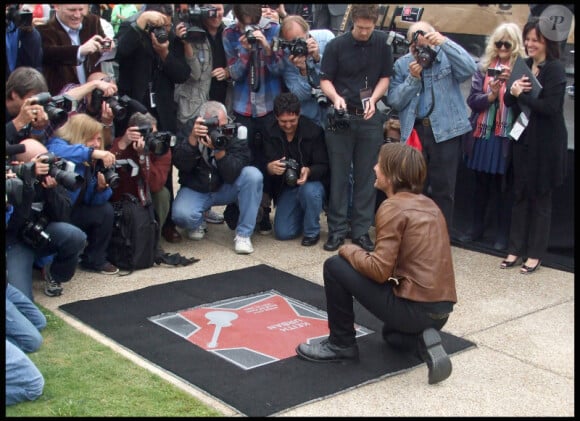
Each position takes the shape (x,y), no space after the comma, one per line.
(292,172)
(62,171)
(118,105)
(33,232)
(57,108)
(20,18)
(157,143)
(192,18)
(425,55)
(220,136)
(338,118)
(110,173)
(297,47)
(159,31)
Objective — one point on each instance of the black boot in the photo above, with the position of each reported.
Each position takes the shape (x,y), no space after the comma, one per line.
(265,226)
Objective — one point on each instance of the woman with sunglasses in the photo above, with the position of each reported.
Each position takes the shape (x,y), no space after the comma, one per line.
(539,156)
(488,147)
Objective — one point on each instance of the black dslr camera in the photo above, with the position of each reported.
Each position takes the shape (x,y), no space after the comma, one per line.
(192,18)
(425,55)
(220,135)
(157,143)
(111,176)
(33,231)
(118,105)
(338,118)
(296,47)
(57,108)
(63,171)
(159,31)
(15,186)
(20,18)
(249,32)
(292,172)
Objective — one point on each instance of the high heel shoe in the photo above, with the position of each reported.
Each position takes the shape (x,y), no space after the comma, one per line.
(506,264)
(526,270)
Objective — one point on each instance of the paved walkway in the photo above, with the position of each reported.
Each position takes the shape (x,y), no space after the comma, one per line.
(523,327)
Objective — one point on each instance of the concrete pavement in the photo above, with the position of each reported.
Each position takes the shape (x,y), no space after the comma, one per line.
(523,327)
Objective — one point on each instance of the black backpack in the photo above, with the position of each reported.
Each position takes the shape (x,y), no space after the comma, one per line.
(135,235)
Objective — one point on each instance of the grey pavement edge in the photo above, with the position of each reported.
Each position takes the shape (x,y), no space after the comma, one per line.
(523,326)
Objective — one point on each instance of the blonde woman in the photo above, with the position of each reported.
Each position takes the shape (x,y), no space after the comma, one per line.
(488,150)
(80,141)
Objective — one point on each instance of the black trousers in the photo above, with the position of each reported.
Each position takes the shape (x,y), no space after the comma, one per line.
(97,223)
(531,213)
(442,160)
(342,284)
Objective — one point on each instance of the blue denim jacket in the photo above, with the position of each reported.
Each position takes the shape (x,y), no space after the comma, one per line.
(449,118)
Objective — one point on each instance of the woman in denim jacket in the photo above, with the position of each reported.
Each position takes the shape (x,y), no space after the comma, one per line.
(426,92)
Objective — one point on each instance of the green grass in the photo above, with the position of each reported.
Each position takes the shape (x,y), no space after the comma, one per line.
(84,378)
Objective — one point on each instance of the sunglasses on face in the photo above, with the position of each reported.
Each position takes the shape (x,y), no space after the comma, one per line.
(506,44)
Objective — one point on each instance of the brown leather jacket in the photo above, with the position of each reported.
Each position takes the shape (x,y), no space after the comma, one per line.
(412,244)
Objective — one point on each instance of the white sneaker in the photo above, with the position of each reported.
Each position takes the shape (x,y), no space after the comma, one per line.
(199,233)
(213,217)
(243,245)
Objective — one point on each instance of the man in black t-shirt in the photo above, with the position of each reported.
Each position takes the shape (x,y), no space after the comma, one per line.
(355,72)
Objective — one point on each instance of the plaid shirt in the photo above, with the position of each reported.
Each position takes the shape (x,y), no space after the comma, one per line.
(245,101)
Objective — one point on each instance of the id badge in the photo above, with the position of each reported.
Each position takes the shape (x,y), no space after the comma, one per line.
(365,97)
(152,99)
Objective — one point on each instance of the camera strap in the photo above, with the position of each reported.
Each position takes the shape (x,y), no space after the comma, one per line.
(84,186)
(254,69)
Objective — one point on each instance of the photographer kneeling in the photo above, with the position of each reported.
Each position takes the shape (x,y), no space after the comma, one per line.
(214,164)
(79,141)
(39,226)
(150,150)
(295,151)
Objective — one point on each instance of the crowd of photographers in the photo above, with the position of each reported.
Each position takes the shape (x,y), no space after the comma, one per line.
(108,134)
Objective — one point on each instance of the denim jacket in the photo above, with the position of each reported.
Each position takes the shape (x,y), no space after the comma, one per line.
(449,118)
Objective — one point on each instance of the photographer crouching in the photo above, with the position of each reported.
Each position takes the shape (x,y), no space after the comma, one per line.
(214,164)
(39,226)
(295,150)
(80,141)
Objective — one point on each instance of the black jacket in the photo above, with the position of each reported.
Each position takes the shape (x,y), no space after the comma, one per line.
(194,170)
(312,147)
(139,65)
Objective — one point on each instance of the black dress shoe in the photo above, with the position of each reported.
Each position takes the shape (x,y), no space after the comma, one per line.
(333,242)
(365,242)
(324,352)
(433,353)
(310,241)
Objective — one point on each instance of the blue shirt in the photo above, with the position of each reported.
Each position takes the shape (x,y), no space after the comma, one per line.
(298,84)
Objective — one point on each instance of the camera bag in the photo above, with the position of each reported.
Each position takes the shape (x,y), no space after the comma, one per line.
(135,235)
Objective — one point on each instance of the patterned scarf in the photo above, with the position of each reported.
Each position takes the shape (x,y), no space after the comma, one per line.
(496,113)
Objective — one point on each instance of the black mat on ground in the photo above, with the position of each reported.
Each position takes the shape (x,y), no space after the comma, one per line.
(261,391)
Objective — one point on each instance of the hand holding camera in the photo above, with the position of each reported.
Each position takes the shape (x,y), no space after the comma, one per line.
(31,113)
(93,45)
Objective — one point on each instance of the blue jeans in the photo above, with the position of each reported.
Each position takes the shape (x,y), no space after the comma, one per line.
(24,382)
(67,243)
(189,205)
(24,320)
(298,211)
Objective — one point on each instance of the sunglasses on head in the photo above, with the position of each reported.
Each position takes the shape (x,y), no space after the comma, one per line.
(506,44)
